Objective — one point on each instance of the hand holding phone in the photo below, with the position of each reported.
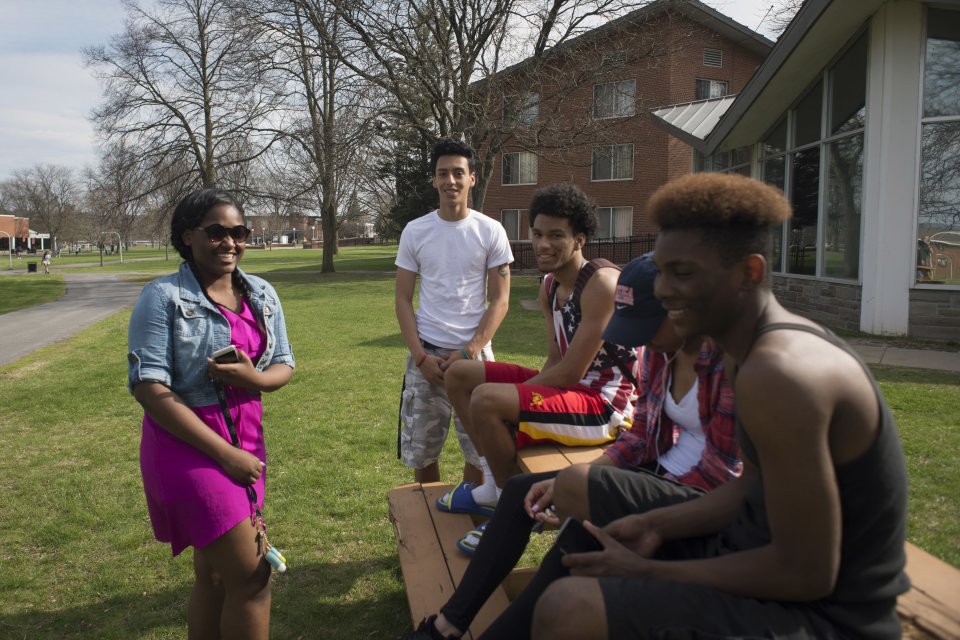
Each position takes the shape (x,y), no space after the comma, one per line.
(227,355)
(574,538)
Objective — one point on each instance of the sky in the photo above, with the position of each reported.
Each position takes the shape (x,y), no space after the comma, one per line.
(46,93)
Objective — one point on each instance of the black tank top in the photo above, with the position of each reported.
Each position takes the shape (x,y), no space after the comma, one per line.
(873,506)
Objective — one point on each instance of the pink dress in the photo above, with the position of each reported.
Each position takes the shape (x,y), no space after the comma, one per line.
(191,499)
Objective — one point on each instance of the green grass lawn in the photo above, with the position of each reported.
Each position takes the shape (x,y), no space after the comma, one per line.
(75,540)
(145,259)
(19,292)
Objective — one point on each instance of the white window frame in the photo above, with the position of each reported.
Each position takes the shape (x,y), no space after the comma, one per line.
(531,160)
(725,86)
(609,152)
(624,99)
(527,109)
(516,225)
(610,213)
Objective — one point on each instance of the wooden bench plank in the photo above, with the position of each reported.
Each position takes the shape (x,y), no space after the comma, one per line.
(431,564)
(553,457)
(933,604)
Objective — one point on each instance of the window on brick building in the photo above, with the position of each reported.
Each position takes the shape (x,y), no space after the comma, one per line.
(612,162)
(615,99)
(510,219)
(713,58)
(707,89)
(614,222)
(521,110)
(519,167)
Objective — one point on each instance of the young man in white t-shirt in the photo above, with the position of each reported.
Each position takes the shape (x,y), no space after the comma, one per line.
(462,258)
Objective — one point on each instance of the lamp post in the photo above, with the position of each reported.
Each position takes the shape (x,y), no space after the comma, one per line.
(294,236)
(314,228)
(9,248)
(119,244)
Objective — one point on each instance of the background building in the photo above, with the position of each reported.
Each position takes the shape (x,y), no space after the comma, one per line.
(856,116)
(587,118)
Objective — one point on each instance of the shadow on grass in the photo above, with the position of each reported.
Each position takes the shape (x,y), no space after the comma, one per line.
(308,598)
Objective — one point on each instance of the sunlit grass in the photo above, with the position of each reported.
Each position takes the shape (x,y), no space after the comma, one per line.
(76,543)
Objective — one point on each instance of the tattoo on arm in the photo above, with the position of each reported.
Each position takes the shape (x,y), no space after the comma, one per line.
(504,270)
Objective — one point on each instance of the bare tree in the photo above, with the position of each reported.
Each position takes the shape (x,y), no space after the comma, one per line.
(114,190)
(331,108)
(782,13)
(182,89)
(452,56)
(48,194)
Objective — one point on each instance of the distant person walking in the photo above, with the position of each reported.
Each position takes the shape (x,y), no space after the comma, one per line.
(46,261)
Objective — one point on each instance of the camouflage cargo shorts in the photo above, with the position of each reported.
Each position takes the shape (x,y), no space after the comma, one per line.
(425,413)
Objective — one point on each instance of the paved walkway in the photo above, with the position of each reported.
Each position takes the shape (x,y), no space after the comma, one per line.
(90,297)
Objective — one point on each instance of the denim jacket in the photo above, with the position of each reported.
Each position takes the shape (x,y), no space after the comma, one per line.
(174,328)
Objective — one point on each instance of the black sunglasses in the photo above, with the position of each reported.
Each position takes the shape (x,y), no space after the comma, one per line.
(217,232)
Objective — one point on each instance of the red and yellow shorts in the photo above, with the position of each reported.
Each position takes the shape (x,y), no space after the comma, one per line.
(576,416)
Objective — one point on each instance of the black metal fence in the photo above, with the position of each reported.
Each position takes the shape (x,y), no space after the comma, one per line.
(617,250)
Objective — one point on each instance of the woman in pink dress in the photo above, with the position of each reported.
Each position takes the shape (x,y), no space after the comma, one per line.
(197,482)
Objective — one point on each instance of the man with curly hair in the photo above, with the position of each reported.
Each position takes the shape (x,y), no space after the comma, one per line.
(808,541)
(585,392)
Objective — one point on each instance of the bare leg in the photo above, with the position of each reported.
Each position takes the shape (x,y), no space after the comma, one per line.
(245,576)
(460,380)
(571,493)
(429,473)
(551,616)
(206,601)
(494,410)
(472,473)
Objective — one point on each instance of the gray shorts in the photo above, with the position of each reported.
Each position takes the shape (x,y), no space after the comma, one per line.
(425,413)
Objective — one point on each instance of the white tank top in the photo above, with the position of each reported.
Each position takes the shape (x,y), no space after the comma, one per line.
(686,452)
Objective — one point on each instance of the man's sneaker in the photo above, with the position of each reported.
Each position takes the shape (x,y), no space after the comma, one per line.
(426,631)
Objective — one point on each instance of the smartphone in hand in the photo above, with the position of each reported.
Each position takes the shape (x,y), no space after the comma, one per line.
(227,355)
(574,538)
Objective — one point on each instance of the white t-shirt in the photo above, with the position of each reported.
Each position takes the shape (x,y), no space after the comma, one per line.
(452,259)
(685,454)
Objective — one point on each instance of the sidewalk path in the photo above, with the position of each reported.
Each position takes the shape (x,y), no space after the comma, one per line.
(90,297)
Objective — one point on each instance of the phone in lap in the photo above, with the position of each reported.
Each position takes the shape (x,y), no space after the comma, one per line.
(574,538)
(227,355)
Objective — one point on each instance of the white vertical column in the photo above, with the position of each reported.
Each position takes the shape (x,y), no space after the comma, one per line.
(891,166)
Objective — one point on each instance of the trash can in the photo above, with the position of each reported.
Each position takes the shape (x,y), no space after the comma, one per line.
(31,267)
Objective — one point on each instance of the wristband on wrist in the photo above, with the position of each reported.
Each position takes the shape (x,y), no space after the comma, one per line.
(466,356)
(422,359)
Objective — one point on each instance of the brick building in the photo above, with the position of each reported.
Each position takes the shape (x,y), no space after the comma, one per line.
(584,117)
(13,228)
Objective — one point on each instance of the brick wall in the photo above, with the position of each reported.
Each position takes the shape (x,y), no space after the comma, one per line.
(665,74)
(832,304)
(934,314)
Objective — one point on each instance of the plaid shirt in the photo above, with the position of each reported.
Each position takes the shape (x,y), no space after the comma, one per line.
(720,460)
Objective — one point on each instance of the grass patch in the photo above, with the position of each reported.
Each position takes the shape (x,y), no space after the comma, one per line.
(75,532)
(20,292)
(147,260)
